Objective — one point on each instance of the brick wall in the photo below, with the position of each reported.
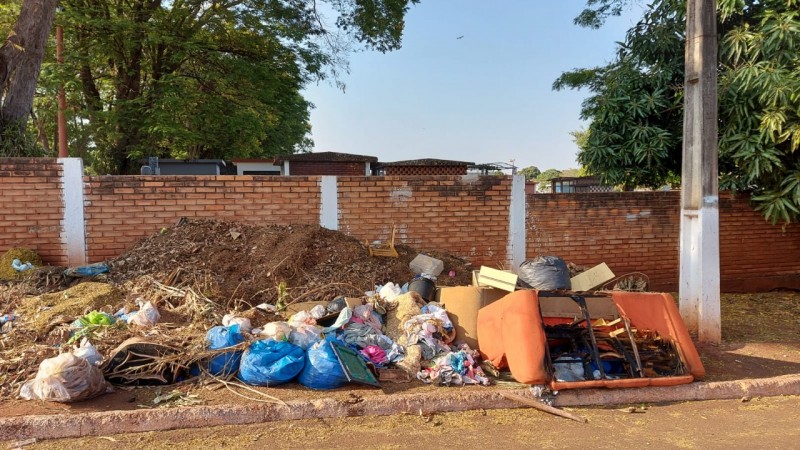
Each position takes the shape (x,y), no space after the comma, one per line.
(327,168)
(465,216)
(425,170)
(754,254)
(639,231)
(31,207)
(122,209)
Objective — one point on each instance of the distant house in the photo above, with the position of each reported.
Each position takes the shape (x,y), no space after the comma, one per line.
(568,185)
(185,167)
(326,163)
(257,166)
(424,167)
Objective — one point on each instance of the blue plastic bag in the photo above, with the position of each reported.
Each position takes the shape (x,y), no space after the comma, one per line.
(223,337)
(269,362)
(322,370)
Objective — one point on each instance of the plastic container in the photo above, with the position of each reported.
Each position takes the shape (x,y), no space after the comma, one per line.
(425,264)
(424,287)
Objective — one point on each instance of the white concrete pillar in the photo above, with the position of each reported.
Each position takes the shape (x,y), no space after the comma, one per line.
(329,202)
(699,271)
(516,222)
(286,168)
(73,234)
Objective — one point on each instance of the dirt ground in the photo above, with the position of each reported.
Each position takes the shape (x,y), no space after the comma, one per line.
(721,424)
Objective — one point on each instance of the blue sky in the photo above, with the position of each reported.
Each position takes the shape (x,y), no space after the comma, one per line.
(483,98)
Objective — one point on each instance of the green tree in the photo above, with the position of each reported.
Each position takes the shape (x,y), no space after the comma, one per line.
(548,175)
(21,55)
(636,101)
(530,172)
(200,79)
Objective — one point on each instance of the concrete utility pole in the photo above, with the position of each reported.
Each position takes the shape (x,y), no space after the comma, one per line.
(699,242)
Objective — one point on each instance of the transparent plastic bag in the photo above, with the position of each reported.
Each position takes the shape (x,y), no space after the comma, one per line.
(65,378)
(147,316)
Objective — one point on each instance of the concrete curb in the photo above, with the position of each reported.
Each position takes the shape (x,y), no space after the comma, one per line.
(447,400)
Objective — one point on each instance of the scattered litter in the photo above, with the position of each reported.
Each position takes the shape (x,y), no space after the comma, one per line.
(19,266)
(147,316)
(175,398)
(92,270)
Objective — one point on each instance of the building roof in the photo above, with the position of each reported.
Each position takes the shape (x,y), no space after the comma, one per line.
(218,162)
(254,160)
(427,163)
(326,157)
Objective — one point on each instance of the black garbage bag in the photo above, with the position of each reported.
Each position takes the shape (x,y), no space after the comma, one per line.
(545,273)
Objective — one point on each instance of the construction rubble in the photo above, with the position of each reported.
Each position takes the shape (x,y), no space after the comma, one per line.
(308,307)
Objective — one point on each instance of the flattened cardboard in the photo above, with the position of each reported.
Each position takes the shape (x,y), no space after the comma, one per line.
(592,278)
(462,304)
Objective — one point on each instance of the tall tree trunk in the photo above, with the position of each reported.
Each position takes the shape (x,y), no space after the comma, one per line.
(21,58)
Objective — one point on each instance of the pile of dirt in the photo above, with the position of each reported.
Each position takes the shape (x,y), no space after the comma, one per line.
(76,301)
(245,265)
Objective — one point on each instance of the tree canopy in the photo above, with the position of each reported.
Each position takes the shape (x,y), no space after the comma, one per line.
(202,79)
(530,172)
(636,102)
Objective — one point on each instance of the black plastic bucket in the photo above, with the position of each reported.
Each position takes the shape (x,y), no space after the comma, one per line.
(424,287)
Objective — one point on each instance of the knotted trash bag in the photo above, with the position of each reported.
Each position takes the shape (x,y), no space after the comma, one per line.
(269,362)
(322,370)
(65,378)
(545,273)
(218,338)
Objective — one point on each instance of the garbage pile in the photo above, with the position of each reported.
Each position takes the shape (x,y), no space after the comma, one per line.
(266,305)
(271,305)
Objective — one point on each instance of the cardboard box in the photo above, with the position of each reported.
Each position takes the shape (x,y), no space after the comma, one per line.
(462,304)
(592,278)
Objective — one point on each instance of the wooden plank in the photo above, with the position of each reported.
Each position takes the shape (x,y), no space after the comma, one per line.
(543,407)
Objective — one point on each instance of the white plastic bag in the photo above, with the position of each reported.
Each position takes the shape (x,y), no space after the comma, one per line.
(243,322)
(306,336)
(88,352)
(147,316)
(318,312)
(277,330)
(301,318)
(390,291)
(65,378)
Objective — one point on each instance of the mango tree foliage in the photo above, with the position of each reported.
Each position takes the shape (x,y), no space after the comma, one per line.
(636,102)
(200,78)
